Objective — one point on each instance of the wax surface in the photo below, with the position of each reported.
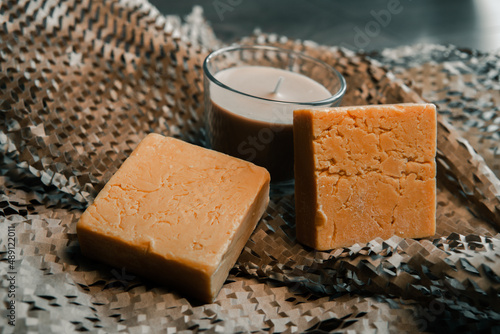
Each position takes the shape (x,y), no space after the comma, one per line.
(176,213)
(261,81)
(364,172)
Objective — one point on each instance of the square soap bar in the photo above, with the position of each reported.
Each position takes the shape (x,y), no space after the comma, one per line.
(177,214)
(364,172)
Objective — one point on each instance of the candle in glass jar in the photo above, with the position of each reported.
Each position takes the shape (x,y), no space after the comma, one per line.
(250,95)
(254,127)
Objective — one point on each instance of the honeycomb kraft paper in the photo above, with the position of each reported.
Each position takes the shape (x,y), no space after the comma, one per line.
(82,82)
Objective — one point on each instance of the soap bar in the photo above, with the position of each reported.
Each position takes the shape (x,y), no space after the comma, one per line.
(177,214)
(363,172)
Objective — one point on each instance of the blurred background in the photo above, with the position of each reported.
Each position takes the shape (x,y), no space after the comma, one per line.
(359,24)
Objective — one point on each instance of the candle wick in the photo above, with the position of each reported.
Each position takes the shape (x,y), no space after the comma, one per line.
(278,84)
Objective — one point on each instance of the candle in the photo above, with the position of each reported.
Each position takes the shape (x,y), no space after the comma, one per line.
(250,95)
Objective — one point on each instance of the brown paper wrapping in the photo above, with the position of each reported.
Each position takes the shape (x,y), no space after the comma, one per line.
(81,83)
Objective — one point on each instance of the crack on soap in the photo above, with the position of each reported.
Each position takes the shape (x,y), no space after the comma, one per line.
(374,219)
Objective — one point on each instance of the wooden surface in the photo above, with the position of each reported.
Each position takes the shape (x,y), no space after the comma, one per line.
(359,24)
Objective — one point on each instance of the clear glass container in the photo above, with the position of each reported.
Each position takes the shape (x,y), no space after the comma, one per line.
(249,115)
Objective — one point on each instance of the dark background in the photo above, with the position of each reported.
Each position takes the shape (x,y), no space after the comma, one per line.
(354,24)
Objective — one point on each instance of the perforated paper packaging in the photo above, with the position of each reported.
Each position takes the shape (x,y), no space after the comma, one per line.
(81,83)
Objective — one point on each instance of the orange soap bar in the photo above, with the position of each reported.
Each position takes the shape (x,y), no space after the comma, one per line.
(177,214)
(364,172)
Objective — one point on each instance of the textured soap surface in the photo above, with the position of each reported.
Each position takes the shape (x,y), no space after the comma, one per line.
(364,172)
(177,214)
